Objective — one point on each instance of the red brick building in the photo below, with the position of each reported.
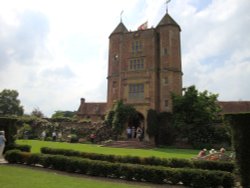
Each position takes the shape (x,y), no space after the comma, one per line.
(144,67)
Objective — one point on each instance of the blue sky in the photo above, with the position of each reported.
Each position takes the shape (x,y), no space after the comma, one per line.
(56,52)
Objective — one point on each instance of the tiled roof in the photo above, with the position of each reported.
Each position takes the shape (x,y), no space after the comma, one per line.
(92,109)
(234,107)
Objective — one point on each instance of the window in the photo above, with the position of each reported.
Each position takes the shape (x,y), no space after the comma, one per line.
(136,91)
(114,84)
(136,64)
(165,51)
(165,80)
(136,46)
(166,103)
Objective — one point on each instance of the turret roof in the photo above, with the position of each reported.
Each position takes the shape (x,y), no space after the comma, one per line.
(121,28)
(168,20)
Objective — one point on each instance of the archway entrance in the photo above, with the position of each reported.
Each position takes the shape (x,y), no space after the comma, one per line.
(135,127)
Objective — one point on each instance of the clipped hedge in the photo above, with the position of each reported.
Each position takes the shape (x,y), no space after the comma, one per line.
(132,172)
(240,124)
(26,148)
(174,162)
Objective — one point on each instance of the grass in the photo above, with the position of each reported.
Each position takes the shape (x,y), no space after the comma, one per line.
(21,177)
(93,148)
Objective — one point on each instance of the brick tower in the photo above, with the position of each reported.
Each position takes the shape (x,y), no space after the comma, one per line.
(145,66)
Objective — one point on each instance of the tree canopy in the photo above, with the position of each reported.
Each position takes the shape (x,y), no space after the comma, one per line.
(9,103)
(152,123)
(37,113)
(195,114)
(63,114)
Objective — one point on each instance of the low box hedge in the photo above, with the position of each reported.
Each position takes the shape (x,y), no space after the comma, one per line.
(174,162)
(133,172)
(26,148)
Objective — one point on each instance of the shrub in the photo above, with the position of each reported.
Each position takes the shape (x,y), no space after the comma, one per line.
(214,165)
(175,163)
(154,174)
(74,138)
(15,156)
(241,134)
(25,148)
(179,163)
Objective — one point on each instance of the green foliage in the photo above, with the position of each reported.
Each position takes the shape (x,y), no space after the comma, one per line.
(195,114)
(37,113)
(214,165)
(109,118)
(9,103)
(73,138)
(25,148)
(167,133)
(241,135)
(26,128)
(34,126)
(8,124)
(131,172)
(156,161)
(63,114)
(160,126)
(119,115)
(152,123)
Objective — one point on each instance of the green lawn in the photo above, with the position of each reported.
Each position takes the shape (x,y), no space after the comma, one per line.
(93,148)
(21,177)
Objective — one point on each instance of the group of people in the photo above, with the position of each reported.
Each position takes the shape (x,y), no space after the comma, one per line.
(55,136)
(133,132)
(213,155)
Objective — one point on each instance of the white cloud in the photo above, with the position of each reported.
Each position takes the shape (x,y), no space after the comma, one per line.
(214,40)
(55,52)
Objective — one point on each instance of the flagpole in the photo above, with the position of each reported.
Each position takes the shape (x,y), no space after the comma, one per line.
(167,1)
(121,16)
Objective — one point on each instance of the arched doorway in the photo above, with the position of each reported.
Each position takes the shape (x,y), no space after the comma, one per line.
(135,126)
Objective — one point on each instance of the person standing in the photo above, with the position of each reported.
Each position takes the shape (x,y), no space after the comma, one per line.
(2,143)
(43,135)
(138,133)
(129,132)
(92,138)
(59,136)
(54,136)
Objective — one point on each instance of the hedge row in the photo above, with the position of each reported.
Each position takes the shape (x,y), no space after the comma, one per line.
(241,133)
(174,162)
(26,148)
(132,172)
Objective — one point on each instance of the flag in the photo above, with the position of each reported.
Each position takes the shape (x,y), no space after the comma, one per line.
(143,26)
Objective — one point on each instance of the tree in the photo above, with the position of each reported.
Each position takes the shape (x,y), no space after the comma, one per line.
(167,132)
(9,103)
(119,115)
(63,114)
(152,123)
(195,114)
(159,127)
(37,113)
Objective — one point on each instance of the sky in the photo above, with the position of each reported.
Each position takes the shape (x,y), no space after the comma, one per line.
(54,52)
